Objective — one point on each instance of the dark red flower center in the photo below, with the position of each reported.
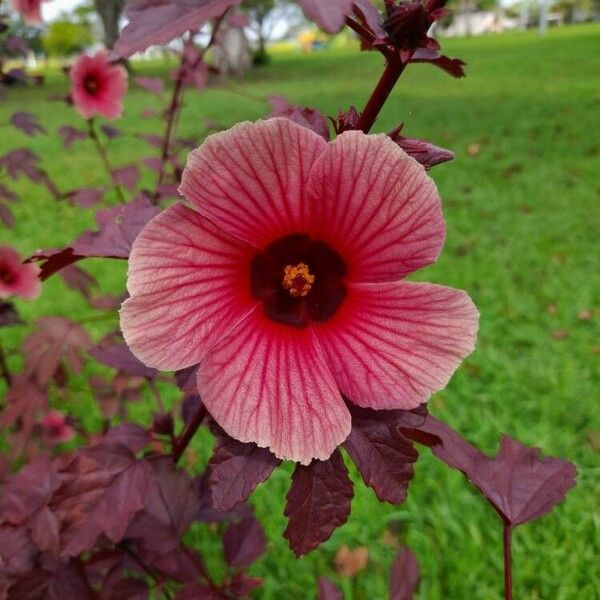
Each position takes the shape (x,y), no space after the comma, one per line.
(91,84)
(298,280)
(7,275)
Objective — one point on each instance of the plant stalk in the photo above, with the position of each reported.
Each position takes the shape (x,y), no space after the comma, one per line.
(183,440)
(381,93)
(507,539)
(93,135)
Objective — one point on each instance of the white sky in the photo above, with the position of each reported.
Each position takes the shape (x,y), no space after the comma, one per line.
(51,9)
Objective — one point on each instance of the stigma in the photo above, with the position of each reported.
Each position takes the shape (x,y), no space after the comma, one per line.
(298,280)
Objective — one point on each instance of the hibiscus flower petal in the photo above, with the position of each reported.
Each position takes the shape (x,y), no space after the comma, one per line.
(269,383)
(376,206)
(392,345)
(189,287)
(251,179)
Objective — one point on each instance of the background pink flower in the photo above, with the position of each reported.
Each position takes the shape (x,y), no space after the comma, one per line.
(30,10)
(283,282)
(16,278)
(97,86)
(56,428)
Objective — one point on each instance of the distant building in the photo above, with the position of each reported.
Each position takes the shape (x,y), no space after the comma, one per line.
(478,23)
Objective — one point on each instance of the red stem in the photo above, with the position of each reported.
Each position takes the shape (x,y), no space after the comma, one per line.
(381,93)
(183,440)
(177,102)
(93,135)
(363,32)
(4,367)
(507,539)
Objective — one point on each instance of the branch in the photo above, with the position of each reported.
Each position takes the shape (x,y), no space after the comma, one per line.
(4,372)
(507,541)
(394,68)
(183,440)
(177,101)
(93,135)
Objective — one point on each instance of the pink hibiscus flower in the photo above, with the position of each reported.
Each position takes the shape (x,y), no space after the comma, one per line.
(17,279)
(97,86)
(30,10)
(283,281)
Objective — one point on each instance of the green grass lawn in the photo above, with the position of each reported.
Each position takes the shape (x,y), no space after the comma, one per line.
(523,216)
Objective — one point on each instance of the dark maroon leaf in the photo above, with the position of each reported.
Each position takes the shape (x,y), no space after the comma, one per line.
(25,402)
(519,484)
(7,195)
(421,150)
(53,260)
(9,315)
(207,513)
(328,590)
(171,505)
(318,502)
(109,131)
(242,586)
(104,488)
(235,469)
(107,301)
(329,15)
(79,280)
(195,591)
(159,21)
(310,118)
(405,575)
(28,491)
(126,176)
(119,356)
(86,197)
(118,227)
(6,216)
(186,379)
(244,542)
(56,339)
(346,121)
(22,161)
(17,551)
(28,123)
(56,581)
(163,423)
(152,138)
(383,456)
(453,66)
(167,190)
(70,135)
(192,403)
(154,163)
(154,85)
(117,587)
(130,435)
(370,16)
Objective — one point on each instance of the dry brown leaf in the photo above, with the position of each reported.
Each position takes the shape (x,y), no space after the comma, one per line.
(350,562)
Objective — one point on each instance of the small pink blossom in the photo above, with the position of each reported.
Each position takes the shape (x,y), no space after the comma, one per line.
(56,428)
(284,281)
(30,10)
(97,86)
(16,278)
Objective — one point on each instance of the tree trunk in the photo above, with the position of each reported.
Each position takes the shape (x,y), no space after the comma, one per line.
(110,13)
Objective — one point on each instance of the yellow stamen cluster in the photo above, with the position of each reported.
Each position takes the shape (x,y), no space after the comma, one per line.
(298,280)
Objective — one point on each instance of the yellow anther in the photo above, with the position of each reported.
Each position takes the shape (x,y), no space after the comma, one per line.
(298,280)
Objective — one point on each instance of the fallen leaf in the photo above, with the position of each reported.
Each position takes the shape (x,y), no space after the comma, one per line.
(350,562)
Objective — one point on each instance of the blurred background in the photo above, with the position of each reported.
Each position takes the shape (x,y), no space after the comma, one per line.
(522,203)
